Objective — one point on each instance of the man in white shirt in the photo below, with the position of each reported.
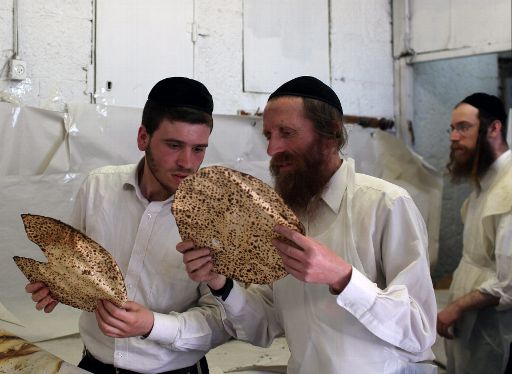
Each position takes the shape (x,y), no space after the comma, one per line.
(170,321)
(478,320)
(358,297)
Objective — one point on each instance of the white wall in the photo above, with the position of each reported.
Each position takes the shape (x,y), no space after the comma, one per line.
(55,40)
(361,63)
(462,27)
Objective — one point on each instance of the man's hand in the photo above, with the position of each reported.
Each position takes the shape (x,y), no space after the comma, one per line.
(41,295)
(131,320)
(199,265)
(446,318)
(311,261)
(474,300)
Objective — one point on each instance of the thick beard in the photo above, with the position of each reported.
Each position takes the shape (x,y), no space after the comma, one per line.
(474,165)
(306,181)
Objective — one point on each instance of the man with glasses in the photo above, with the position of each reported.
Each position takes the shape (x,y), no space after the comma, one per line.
(478,320)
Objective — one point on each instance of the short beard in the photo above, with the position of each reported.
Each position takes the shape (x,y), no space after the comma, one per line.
(308,180)
(474,166)
(155,170)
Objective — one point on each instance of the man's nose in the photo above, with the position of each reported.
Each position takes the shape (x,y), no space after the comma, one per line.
(185,159)
(454,135)
(274,146)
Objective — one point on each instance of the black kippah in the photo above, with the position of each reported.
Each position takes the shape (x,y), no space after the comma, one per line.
(490,105)
(182,92)
(309,87)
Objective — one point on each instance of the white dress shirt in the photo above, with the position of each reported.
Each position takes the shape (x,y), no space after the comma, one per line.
(384,321)
(486,265)
(142,237)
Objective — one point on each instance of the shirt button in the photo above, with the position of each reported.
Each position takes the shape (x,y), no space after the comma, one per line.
(149,215)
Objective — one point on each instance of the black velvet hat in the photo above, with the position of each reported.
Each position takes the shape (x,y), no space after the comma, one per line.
(182,92)
(309,87)
(488,105)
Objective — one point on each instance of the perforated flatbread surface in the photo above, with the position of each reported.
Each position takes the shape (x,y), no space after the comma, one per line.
(234,214)
(79,271)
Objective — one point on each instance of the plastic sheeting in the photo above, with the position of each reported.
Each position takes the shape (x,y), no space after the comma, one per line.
(45,155)
(383,155)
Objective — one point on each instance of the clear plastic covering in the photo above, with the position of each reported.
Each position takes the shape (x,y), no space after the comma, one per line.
(45,155)
(103,99)
(15,94)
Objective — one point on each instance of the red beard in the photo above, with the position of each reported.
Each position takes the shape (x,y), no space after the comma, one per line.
(306,179)
(468,163)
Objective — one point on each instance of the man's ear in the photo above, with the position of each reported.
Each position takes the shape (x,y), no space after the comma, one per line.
(494,129)
(143,138)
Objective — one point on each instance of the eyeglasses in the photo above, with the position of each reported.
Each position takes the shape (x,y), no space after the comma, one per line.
(461,128)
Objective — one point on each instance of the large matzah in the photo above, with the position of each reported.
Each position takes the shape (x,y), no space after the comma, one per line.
(234,214)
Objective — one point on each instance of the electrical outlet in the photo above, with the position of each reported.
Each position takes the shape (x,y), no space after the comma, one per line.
(17,69)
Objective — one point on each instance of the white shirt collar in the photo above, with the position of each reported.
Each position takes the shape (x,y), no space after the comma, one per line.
(338,182)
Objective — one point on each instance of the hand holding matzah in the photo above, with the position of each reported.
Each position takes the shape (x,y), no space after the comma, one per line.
(199,264)
(41,295)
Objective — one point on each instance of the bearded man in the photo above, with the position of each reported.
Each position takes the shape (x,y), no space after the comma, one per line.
(358,297)
(478,320)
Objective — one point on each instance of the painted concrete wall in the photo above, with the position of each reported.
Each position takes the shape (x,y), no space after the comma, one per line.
(55,40)
(438,87)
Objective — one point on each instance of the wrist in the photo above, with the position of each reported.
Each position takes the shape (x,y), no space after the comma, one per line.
(224,291)
(144,336)
(217,283)
(339,285)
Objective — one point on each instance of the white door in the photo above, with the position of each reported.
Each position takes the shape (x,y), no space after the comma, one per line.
(138,43)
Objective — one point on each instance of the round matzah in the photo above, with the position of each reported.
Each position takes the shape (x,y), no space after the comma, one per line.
(234,214)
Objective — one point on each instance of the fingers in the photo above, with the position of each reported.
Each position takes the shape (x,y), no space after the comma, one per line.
(32,287)
(109,319)
(46,304)
(197,260)
(198,263)
(196,254)
(185,246)
(41,296)
(287,251)
(131,320)
(443,330)
(292,235)
(50,306)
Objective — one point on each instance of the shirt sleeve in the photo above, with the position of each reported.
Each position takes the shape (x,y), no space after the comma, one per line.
(249,315)
(199,328)
(403,310)
(500,284)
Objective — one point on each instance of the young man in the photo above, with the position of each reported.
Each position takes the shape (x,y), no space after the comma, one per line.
(171,321)
(359,297)
(481,292)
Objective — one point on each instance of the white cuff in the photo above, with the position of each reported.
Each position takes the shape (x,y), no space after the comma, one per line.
(235,300)
(359,294)
(165,328)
